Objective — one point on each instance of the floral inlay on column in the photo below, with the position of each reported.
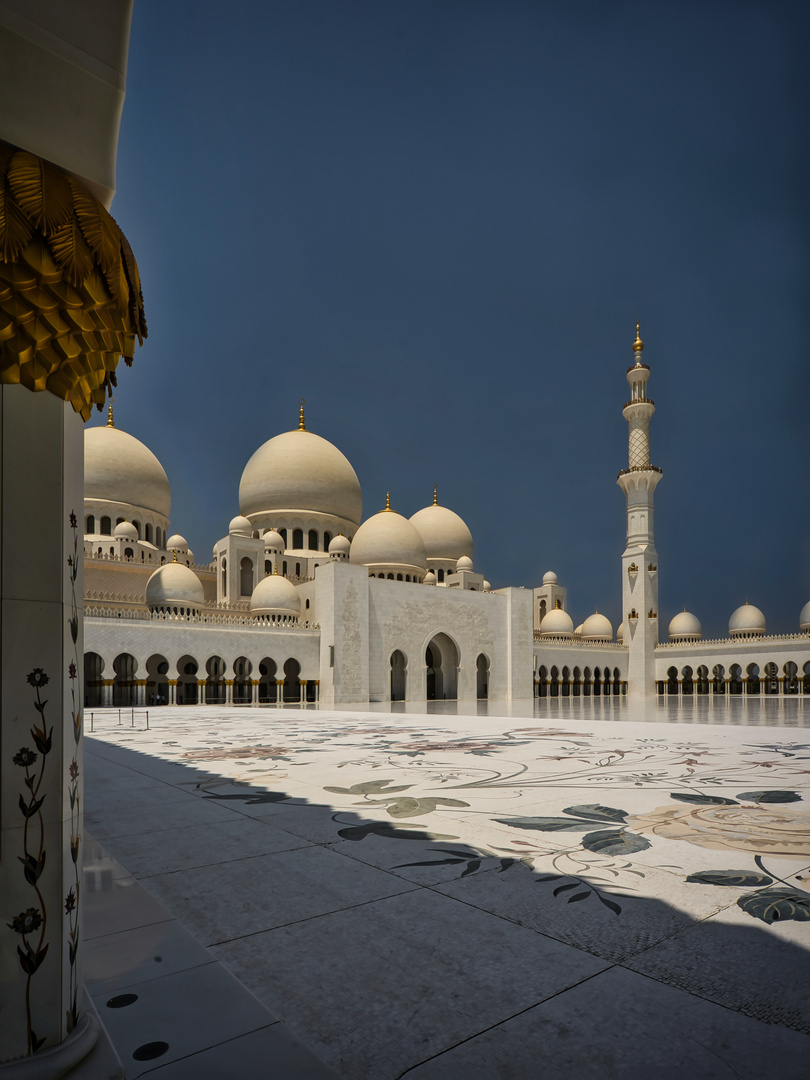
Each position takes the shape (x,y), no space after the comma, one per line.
(31,924)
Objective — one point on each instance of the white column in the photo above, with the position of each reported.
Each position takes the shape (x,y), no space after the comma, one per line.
(41,668)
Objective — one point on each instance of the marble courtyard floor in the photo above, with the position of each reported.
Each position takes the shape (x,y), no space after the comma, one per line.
(568,893)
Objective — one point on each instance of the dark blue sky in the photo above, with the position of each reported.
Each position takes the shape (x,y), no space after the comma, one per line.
(438,221)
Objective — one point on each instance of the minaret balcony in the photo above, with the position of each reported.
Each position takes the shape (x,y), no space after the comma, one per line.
(640,469)
(640,408)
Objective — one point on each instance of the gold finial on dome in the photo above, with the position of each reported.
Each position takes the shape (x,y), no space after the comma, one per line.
(301,424)
(110,421)
(388,500)
(174,553)
(435,494)
(638,344)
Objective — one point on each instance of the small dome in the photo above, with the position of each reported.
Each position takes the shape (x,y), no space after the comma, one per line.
(746,621)
(804,617)
(240,526)
(596,628)
(557,623)
(464,563)
(275,595)
(388,541)
(177,543)
(445,535)
(486,586)
(620,633)
(174,585)
(549,578)
(125,531)
(430,578)
(273,541)
(685,627)
(340,545)
(578,631)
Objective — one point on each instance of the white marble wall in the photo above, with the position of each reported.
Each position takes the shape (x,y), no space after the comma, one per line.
(41,458)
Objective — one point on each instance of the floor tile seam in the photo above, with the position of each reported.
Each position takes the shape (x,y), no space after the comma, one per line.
(312,918)
(712,1001)
(514,922)
(679,931)
(140,926)
(207,961)
(499,1023)
(114,933)
(155,1071)
(220,862)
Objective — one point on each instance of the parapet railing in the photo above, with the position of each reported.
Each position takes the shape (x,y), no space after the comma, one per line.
(578,642)
(745,639)
(206,618)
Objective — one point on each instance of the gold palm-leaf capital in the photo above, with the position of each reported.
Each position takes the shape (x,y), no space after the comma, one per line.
(70,292)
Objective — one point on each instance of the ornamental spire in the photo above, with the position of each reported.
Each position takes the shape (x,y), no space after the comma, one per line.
(638,344)
(435,494)
(301,424)
(110,422)
(388,500)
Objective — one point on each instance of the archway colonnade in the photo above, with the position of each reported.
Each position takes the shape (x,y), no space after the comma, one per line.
(190,680)
(579,682)
(737,679)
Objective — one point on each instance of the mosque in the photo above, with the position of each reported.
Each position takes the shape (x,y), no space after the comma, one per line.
(305,601)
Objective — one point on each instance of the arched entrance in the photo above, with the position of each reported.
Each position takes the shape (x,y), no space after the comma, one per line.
(93,680)
(241,681)
(292,674)
(399,667)
(482,676)
(267,681)
(215,683)
(187,669)
(441,658)
(124,685)
(157,682)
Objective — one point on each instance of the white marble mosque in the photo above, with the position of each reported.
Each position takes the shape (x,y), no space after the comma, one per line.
(235,890)
(304,600)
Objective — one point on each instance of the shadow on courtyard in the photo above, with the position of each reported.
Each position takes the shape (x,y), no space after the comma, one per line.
(593,968)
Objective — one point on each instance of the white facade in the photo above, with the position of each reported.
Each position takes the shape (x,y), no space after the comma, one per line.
(305,601)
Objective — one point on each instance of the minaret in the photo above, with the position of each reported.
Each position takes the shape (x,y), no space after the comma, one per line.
(640,560)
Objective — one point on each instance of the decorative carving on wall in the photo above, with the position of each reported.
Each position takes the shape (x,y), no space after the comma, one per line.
(351,683)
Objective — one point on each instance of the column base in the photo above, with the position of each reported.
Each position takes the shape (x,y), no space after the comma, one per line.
(59,1060)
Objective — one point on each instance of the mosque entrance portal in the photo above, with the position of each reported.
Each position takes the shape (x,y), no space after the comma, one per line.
(441,658)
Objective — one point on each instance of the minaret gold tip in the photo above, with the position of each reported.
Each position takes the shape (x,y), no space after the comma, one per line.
(638,344)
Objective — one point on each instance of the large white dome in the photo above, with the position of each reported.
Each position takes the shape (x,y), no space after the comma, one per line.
(174,585)
(746,621)
(300,471)
(389,542)
(685,627)
(119,469)
(275,595)
(557,623)
(444,533)
(595,628)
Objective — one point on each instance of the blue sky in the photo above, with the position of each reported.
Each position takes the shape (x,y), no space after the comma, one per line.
(438,222)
